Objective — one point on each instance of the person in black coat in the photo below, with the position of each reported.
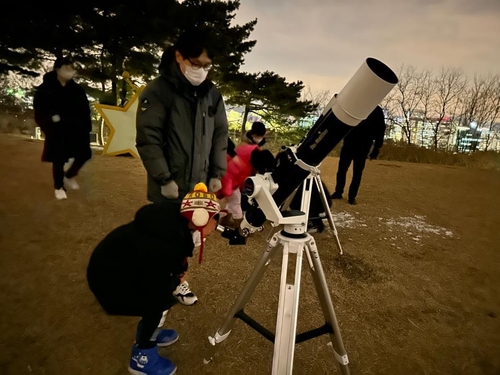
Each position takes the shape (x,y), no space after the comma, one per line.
(355,149)
(62,112)
(135,268)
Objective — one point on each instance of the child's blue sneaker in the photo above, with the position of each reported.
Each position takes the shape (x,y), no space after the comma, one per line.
(149,362)
(162,337)
(167,337)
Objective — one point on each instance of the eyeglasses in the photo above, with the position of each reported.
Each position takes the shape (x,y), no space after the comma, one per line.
(197,66)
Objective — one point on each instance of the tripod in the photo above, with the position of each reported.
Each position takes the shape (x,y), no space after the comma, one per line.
(295,242)
(307,186)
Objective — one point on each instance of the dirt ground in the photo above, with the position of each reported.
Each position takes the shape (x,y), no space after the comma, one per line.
(417,291)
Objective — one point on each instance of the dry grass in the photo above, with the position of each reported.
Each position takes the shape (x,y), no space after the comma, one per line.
(413,154)
(417,291)
(483,160)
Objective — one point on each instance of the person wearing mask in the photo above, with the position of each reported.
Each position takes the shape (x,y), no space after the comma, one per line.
(62,111)
(256,135)
(182,128)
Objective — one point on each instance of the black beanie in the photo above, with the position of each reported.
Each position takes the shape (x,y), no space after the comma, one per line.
(258,128)
(60,61)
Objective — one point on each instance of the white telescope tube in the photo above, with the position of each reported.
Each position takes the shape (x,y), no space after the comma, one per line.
(364,91)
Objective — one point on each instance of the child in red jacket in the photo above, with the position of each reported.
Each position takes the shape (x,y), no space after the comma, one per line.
(248,161)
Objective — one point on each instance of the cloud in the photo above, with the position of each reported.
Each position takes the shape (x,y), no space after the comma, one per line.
(475,6)
(325,41)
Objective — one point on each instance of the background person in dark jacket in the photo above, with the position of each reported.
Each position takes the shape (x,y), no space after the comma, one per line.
(136,267)
(256,135)
(355,148)
(182,128)
(63,113)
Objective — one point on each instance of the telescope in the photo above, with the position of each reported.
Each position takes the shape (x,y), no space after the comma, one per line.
(267,193)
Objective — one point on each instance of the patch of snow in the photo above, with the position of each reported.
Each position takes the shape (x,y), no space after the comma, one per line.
(345,220)
(417,224)
(415,227)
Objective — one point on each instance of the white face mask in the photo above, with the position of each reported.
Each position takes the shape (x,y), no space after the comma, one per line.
(195,76)
(66,73)
(257,139)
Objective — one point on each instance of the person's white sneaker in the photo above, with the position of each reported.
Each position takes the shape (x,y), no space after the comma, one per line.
(184,294)
(71,183)
(60,194)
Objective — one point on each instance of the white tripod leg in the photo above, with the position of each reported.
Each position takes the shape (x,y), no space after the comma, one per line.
(336,344)
(286,325)
(328,212)
(230,319)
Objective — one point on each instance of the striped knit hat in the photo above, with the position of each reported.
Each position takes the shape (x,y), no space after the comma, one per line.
(199,206)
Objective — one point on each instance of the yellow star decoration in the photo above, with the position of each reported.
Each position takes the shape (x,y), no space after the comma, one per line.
(121,123)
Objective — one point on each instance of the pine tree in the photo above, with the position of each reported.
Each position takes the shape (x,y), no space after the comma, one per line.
(268,95)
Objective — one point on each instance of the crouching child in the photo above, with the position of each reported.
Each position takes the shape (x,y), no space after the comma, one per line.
(135,268)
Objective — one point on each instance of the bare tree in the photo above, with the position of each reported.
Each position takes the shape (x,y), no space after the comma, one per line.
(407,99)
(449,84)
(478,105)
(428,92)
(492,112)
(317,96)
(388,104)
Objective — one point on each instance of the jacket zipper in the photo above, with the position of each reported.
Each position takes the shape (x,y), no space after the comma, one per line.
(203,123)
(194,135)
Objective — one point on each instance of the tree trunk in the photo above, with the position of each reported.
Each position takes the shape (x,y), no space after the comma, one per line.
(449,145)
(422,134)
(407,131)
(487,142)
(435,136)
(123,93)
(114,90)
(245,117)
(113,50)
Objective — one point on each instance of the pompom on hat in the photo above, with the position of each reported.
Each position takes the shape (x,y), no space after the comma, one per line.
(199,206)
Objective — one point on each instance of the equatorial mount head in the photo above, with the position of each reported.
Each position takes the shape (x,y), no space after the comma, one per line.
(297,224)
